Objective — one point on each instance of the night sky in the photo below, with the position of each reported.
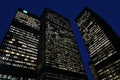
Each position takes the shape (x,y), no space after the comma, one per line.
(107,9)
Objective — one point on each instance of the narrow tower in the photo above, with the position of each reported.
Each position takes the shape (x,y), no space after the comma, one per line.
(59,57)
(19,48)
(102,43)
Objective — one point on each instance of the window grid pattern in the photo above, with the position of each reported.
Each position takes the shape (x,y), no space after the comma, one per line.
(99,46)
(52,76)
(10,77)
(61,50)
(20,47)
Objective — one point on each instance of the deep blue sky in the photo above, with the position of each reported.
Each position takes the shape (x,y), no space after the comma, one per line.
(107,9)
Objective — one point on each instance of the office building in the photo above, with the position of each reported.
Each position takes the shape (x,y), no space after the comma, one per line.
(102,44)
(59,56)
(19,48)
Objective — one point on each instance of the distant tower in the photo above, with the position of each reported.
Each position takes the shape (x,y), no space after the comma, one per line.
(58,57)
(102,43)
(19,48)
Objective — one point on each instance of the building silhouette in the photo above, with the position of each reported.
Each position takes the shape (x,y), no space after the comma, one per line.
(19,48)
(58,58)
(102,44)
(40,49)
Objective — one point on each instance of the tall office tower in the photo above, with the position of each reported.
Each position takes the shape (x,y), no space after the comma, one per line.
(19,49)
(59,57)
(102,43)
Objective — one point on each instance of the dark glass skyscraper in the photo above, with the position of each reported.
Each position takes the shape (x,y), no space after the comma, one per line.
(102,43)
(19,49)
(58,58)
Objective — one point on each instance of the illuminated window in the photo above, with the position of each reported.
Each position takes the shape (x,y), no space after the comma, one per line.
(26,59)
(10,42)
(13,39)
(23,55)
(11,52)
(15,57)
(7,55)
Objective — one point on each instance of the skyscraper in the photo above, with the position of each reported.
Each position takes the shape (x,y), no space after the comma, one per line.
(102,43)
(19,48)
(58,58)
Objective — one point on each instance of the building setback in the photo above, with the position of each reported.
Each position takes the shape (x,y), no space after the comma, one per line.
(102,43)
(19,48)
(58,58)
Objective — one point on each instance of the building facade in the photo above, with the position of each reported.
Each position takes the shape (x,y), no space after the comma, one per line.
(59,57)
(102,43)
(19,48)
